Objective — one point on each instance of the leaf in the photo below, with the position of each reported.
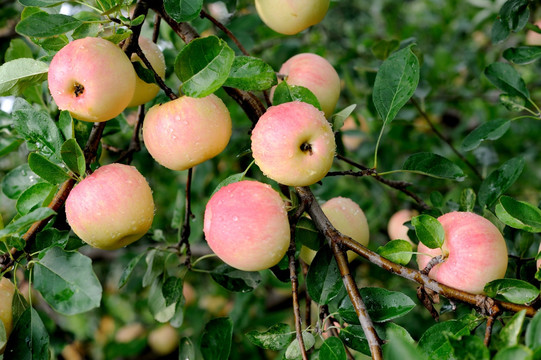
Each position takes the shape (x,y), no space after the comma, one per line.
(337,120)
(9,145)
(354,337)
(251,74)
(42,25)
(29,340)
(382,305)
(183,10)
(523,54)
(332,349)
(24,222)
(216,339)
(172,290)
(513,103)
(157,303)
(533,332)
(499,32)
(41,3)
(399,348)
(203,66)
(512,290)
(433,165)
(429,231)
(509,335)
(284,93)
(17,49)
(499,181)
(236,280)
(143,73)
(395,83)
(518,352)
(18,180)
(129,270)
(469,347)
(186,349)
(293,351)
(34,197)
(491,130)
(519,214)
(155,266)
(506,78)
(324,280)
(19,74)
(515,14)
(48,238)
(307,234)
(229,180)
(434,343)
(467,200)
(275,338)
(73,156)
(46,169)
(398,251)
(67,281)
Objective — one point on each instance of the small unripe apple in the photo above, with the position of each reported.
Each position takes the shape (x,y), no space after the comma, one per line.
(474,250)
(290,17)
(187,131)
(164,340)
(111,208)
(396,228)
(246,225)
(293,144)
(347,217)
(145,92)
(7,290)
(317,75)
(92,78)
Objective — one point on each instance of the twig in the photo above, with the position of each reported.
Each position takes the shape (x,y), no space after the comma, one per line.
(135,142)
(307,298)
(436,260)
(222,27)
(185,229)
(170,94)
(488,331)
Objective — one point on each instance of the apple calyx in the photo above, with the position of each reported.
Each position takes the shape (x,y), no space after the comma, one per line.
(306,147)
(78,89)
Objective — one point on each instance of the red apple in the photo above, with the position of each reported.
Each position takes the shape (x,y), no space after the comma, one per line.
(396,228)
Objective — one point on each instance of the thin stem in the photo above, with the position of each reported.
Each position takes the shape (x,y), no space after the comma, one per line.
(170,94)
(307,298)
(185,229)
(222,27)
(377,146)
(488,331)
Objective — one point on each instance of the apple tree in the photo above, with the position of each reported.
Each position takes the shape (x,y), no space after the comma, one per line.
(270,179)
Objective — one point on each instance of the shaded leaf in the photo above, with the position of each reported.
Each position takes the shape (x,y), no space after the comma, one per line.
(332,349)
(42,24)
(337,120)
(73,156)
(46,169)
(236,280)
(24,222)
(491,130)
(294,350)
(519,214)
(509,335)
(499,181)
(469,347)
(18,180)
(433,165)
(434,343)
(324,280)
(523,54)
(276,338)
(29,340)
(216,339)
(506,78)
(129,270)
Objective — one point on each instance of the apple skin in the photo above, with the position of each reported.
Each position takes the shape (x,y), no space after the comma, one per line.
(111,208)
(7,290)
(145,92)
(92,78)
(533,38)
(293,144)
(290,17)
(396,228)
(163,340)
(187,131)
(476,253)
(353,141)
(347,217)
(317,75)
(246,225)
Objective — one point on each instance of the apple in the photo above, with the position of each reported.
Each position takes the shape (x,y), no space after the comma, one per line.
(246,225)
(474,251)
(92,78)
(396,228)
(347,217)
(290,17)
(187,131)
(164,340)
(7,290)
(533,38)
(111,208)
(293,144)
(317,75)
(145,92)
(129,332)
(353,140)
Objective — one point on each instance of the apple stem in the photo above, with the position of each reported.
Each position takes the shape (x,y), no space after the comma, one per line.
(433,262)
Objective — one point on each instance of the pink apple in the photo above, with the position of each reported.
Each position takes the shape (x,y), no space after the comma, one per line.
(396,228)
(246,225)
(474,250)
(533,38)
(187,131)
(7,290)
(317,75)
(92,78)
(348,218)
(352,134)
(145,92)
(111,208)
(293,144)
(290,17)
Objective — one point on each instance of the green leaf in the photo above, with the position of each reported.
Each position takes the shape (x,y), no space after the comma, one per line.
(183,10)
(491,130)
(67,281)
(515,14)
(510,334)
(293,351)
(469,347)
(251,74)
(275,338)
(157,303)
(203,66)
(229,180)
(19,74)
(506,78)
(41,3)
(354,337)
(307,234)
(284,93)
(24,222)
(46,169)
(42,25)
(434,343)
(17,49)
(398,251)
(499,181)
(513,103)
(324,280)
(65,124)
(186,350)
(216,339)
(332,349)
(512,290)
(129,270)
(518,352)
(143,73)
(337,120)
(533,332)
(73,156)
(236,280)
(34,197)
(18,180)
(429,231)
(500,31)
(399,348)
(86,30)
(467,200)
(433,165)
(48,238)
(395,83)
(519,214)
(383,48)
(172,290)
(9,145)
(29,340)
(155,266)
(523,54)
(382,305)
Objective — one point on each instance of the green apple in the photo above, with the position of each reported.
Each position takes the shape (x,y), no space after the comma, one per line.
(290,17)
